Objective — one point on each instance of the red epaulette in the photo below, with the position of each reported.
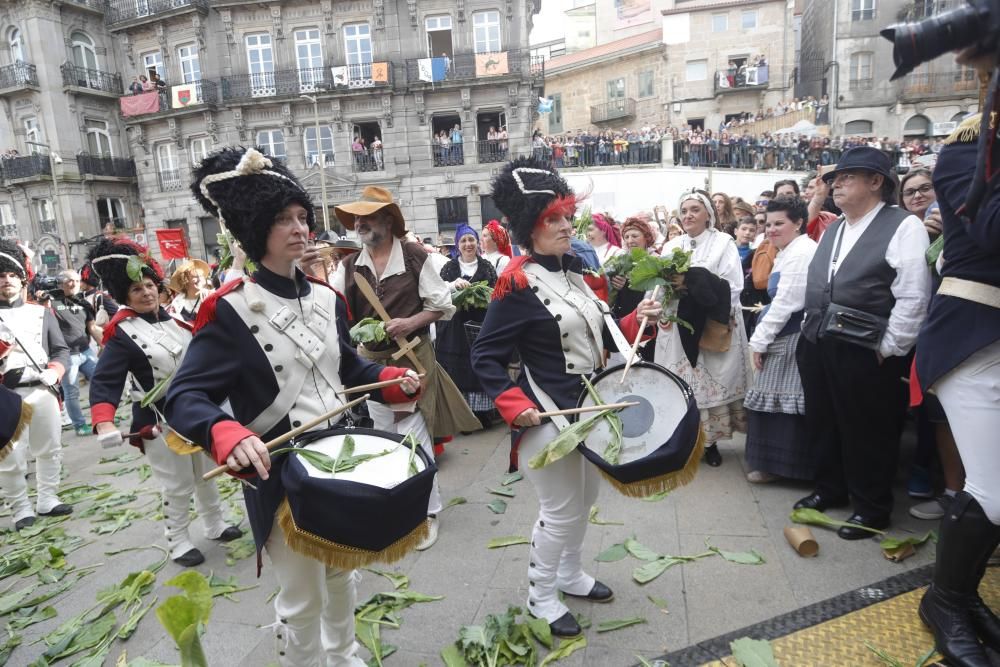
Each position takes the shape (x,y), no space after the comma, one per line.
(512,278)
(343,299)
(123,313)
(206,313)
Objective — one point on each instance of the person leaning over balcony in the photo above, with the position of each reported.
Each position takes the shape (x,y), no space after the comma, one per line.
(135,87)
(146,84)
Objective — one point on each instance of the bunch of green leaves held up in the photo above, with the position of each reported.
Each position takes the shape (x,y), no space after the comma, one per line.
(583,221)
(367,331)
(225,241)
(621,265)
(474,297)
(648,271)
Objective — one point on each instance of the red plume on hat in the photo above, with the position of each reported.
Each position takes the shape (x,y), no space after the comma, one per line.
(120,261)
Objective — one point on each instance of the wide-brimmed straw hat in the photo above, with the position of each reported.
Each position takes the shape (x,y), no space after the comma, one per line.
(198,265)
(373,199)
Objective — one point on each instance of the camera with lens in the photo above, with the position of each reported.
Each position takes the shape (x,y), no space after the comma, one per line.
(977,23)
(46,284)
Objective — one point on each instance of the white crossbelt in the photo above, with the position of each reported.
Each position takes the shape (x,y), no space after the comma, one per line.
(970,290)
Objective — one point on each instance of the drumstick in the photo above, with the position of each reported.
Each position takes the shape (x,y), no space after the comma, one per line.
(638,337)
(376,385)
(587,408)
(299,430)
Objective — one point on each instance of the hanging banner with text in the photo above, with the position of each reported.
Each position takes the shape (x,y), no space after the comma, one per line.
(172,244)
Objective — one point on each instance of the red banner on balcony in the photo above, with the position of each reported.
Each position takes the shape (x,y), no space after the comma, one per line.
(172,244)
(136,105)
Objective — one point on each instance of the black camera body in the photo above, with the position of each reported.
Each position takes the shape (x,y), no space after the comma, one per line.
(976,23)
(47,284)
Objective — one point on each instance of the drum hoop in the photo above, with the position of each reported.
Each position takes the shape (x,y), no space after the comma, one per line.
(681,384)
(313,436)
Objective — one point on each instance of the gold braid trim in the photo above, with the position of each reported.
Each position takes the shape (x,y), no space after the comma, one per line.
(342,556)
(666,482)
(968,130)
(26,412)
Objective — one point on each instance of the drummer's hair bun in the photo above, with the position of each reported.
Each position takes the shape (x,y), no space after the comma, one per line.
(522,190)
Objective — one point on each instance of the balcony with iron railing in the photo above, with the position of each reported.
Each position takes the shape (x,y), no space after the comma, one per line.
(368,159)
(492,150)
(742,79)
(448,155)
(295,82)
(18,76)
(48,227)
(616,109)
(170,180)
(861,84)
(9,231)
(99,6)
(24,166)
(938,85)
(472,66)
(85,79)
(106,165)
(127,13)
(171,102)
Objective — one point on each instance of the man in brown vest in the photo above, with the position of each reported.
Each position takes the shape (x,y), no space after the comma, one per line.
(415,297)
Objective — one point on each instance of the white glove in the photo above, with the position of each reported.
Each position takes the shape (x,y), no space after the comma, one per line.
(49,377)
(110,439)
(29,374)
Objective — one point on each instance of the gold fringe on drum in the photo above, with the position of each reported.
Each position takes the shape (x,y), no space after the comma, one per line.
(22,423)
(666,482)
(339,555)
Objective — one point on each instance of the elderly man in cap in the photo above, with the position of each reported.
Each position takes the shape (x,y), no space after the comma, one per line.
(414,295)
(866,295)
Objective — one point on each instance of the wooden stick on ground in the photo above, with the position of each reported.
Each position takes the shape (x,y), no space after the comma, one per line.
(376,385)
(638,337)
(588,408)
(285,437)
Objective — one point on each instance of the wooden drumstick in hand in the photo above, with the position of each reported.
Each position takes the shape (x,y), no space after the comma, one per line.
(638,337)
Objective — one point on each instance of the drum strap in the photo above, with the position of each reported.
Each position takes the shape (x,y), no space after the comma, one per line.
(624,347)
(548,405)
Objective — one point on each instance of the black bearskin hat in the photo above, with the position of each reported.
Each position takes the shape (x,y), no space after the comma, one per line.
(13,259)
(523,189)
(110,259)
(247,189)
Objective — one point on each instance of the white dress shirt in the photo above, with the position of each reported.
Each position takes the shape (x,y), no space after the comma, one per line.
(792,264)
(912,285)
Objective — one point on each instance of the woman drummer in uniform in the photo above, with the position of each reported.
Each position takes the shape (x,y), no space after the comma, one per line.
(543,310)
(143,345)
(247,349)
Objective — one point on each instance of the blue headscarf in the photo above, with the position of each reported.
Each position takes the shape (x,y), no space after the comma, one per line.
(463,230)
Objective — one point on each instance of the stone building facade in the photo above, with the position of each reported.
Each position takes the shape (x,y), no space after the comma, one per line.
(305,80)
(72,175)
(843,56)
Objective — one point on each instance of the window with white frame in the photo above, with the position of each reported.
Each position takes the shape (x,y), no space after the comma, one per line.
(16,45)
(8,225)
(166,163)
(43,210)
(200,147)
(438,30)
(187,57)
(98,139)
(358,50)
(273,142)
(696,70)
(861,71)
(84,53)
(748,19)
(862,10)
(313,148)
(260,61)
(32,133)
(616,89)
(110,211)
(152,62)
(720,22)
(486,31)
(308,58)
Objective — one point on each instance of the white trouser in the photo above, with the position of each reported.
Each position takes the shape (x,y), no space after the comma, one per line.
(179,478)
(385,420)
(41,437)
(970,394)
(314,608)
(566,490)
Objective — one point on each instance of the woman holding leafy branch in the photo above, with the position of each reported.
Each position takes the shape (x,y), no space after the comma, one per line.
(623,299)
(275,345)
(715,362)
(543,310)
(471,279)
(143,346)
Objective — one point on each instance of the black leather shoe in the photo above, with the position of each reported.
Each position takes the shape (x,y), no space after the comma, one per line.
(565,626)
(816,501)
(599,593)
(948,618)
(713,456)
(190,558)
(62,509)
(26,522)
(985,622)
(229,534)
(852,533)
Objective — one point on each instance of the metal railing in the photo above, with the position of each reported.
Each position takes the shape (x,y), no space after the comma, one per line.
(463,66)
(492,150)
(95,79)
(276,84)
(170,179)
(48,227)
(860,84)
(98,165)
(940,84)
(99,5)
(623,107)
(18,74)
(619,152)
(24,166)
(119,11)
(368,159)
(360,75)
(727,80)
(449,155)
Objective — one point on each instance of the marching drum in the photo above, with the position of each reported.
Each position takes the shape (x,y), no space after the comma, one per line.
(375,512)
(661,441)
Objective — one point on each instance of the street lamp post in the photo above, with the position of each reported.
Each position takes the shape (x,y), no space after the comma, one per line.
(54,159)
(322,159)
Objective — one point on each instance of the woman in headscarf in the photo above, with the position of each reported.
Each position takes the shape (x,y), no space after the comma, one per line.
(496,246)
(605,237)
(190,282)
(717,364)
(452,347)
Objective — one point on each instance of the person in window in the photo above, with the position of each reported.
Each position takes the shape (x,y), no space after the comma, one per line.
(358,150)
(457,155)
(376,147)
(147,85)
(135,87)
